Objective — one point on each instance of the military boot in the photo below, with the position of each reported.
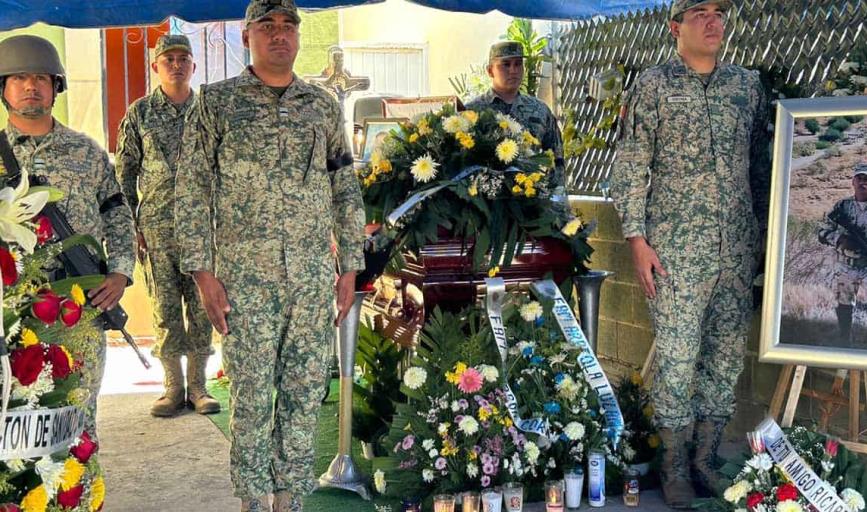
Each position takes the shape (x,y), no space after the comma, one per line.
(284,501)
(844,324)
(676,485)
(259,504)
(173,399)
(708,435)
(197,395)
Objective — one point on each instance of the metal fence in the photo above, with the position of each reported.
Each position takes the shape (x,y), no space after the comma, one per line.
(797,44)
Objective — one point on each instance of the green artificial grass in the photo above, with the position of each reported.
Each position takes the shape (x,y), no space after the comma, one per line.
(323,500)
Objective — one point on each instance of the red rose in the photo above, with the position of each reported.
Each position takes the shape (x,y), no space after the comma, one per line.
(44,229)
(59,362)
(46,306)
(831,445)
(220,373)
(70,312)
(787,492)
(7,267)
(754,499)
(84,449)
(70,498)
(9,507)
(27,362)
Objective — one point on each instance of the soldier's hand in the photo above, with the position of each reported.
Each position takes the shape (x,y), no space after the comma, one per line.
(345,289)
(214,300)
(108,294)
(646,263)
(141,247)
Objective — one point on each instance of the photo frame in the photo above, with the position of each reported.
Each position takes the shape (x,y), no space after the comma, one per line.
(374,130)
(410,107)
(818,143)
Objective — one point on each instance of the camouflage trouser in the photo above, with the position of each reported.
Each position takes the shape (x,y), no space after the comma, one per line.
(849,280)
(173,296)
(701,320)
(281,332)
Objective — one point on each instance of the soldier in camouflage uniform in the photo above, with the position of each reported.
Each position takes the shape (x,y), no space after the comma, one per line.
(506,69)
(31,77)
(148,145)
(264,182)
(691,183)
(837,231)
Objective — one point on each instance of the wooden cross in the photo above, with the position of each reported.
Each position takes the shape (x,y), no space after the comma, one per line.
(336,80)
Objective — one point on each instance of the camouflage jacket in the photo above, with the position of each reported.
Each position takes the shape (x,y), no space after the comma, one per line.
(535,116)
(148,144)
(266,177)
(692,170)
(93,204)
(846,215)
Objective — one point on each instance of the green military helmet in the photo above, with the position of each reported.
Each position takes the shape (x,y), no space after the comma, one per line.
(31,54)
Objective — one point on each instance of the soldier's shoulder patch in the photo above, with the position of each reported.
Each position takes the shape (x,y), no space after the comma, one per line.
(678,99)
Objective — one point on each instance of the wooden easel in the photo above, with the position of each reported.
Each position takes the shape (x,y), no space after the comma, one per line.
(829,401)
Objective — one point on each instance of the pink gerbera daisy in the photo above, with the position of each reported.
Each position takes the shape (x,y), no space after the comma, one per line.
(470,381)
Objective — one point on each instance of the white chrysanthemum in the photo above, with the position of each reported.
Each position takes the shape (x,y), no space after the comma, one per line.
(427,444)
(427,475)
(853,498)
(424,168)
(532,452)
(50,472)
(379,481)
(567,388)
(468,425)
(507,150)
(510,123)
(789,506)
(574,431)
(44,384)
(433,453)
(456,123)
(531,311)
(490,373)
(16,465)
(737,491)
(761,461)
(456,406)
(415,377)
(442,428)
(627,451)
(472,470)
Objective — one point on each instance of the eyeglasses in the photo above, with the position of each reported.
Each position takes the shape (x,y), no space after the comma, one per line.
(705,17)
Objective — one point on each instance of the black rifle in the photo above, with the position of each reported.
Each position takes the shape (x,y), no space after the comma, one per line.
(77,260)
(852,232)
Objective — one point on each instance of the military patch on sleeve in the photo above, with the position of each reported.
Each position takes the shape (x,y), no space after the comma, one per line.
(678,99)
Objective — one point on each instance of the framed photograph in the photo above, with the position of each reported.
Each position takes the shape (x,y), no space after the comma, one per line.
(374,132)
(411,107)
(815,289)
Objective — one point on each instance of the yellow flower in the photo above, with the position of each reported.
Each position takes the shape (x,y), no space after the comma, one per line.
(72,472)
(473,190)
(465,139)
(413,137)
(68,356)
(530,192)
(520,178)
(636,375)
(449,448)
(423,128)
(504,124)
(507,422)
(529,139)
(653,441)
(28,337)
(97,494)
(647,411)
(536,176)
(507,150)
(385,166)
(424,168)
(570,229)
(452,378)
(471,116)
(484,414)
(473,456)
(460,368)
(517,190)
(36,500)
(494,271)
(77,295)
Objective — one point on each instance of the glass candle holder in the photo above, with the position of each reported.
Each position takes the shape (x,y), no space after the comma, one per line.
(574,484)
(554,496)
(471,502)
(444,503)
(513,497)
(492,500)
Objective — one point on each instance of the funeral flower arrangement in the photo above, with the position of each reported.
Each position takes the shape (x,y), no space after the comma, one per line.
(49,331)
(640,434)
(488,184)
(761,485)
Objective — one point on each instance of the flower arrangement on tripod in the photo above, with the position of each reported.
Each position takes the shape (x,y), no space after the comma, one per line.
(46,461)
(484,180)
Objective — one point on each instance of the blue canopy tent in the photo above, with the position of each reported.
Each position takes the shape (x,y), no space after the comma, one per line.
(110,13)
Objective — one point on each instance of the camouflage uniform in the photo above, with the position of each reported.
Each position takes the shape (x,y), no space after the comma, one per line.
(147,151)
(692,177)
(263,183)
(93,205)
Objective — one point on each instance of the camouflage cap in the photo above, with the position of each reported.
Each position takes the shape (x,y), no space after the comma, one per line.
(505,50)
(257,9)
(860,168)
(679,7)
(172,42)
